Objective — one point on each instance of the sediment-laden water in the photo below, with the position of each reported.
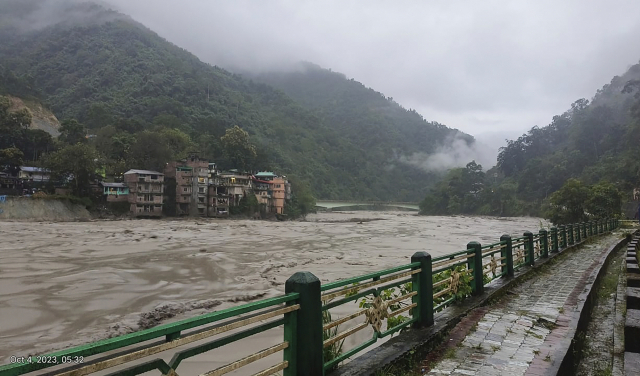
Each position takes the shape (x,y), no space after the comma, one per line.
(63,284)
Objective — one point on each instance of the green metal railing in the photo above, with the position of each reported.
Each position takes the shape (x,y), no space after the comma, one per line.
(418,290)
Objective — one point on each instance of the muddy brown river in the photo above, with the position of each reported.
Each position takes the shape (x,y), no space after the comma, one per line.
(64,284)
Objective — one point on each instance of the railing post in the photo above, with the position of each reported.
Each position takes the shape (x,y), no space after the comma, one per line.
(475,263)
(308,343)
(507,253)
(563,236)
(584,230)
(423,283)
(291,337)
(578,232)
(544,243)
(570,234)
(530,249)
(554,239)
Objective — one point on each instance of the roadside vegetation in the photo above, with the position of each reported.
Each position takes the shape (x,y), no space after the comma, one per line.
(590,150)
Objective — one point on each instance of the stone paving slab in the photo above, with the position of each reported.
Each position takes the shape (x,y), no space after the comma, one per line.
(522,333)
(631,364)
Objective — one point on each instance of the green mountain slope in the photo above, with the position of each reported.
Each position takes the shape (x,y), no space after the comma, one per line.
(595,142)
(106,70)
(360,113)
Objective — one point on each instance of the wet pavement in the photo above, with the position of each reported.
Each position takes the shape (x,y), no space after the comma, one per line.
(519,335)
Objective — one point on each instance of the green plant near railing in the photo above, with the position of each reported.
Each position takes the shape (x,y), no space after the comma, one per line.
(388,295)
(335,349)
(464,288)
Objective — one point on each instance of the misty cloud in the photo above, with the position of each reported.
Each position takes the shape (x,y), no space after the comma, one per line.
(36,15)
(456,152)
(516,63)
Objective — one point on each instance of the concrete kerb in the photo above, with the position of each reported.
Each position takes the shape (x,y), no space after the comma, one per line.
(617,366)
(418,342)
(579,318)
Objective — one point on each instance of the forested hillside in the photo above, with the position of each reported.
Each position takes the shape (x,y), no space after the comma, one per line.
(591,148)
(135,91)
(360,113)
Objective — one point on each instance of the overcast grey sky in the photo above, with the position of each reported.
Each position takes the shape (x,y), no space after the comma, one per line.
(485,67)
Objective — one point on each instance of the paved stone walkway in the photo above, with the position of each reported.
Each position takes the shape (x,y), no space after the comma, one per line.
(519,334)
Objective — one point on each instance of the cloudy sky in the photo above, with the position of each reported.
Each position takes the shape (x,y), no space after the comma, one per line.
(489,68)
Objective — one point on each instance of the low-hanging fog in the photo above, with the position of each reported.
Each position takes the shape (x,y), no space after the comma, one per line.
(492,69)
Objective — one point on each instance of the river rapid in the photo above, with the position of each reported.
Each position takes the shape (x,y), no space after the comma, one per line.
(64,284)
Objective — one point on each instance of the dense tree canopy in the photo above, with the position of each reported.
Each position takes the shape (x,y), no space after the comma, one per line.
(119,79)
(576,166)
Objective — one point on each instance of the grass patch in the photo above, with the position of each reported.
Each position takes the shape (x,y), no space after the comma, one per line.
(538,336)
(603,372)
(609,284)
(450,353)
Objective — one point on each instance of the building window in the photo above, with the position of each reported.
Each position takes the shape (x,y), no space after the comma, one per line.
(201,189)
(185,189)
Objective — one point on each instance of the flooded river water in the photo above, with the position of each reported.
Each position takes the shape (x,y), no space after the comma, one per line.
(63,284)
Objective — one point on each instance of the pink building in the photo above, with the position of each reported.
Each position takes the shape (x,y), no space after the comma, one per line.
(145,192)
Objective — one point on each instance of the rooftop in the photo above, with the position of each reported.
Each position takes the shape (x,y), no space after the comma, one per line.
(33,169)
(265,174)
(143,172)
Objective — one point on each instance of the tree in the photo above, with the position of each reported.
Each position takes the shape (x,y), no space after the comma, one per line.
(302,202)
(568,203)
(13,124)
(12,158)
(239,151)
(150,151)
(179,142)
(76,164)
(605,201)
(98,116)
(72,132)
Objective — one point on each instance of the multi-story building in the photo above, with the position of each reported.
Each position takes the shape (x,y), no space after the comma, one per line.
(146,190)
(272,191)
(34,174)
(187,186)
(218,198)
(238,184)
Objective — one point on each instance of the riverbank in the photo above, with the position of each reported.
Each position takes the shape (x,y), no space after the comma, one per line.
(42,209)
